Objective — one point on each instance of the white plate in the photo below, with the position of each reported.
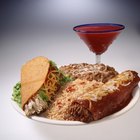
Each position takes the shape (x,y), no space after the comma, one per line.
(136,94)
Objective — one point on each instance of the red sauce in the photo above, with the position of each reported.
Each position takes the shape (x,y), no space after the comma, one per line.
(98,38)
(71,88)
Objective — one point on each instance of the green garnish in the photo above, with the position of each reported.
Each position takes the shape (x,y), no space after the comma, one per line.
(43,95)
(16,96)
(53,64)
(64,79)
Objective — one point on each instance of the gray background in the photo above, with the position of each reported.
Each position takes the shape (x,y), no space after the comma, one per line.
(30,28)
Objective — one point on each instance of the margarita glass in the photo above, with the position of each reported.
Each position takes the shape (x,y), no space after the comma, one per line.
(98,36)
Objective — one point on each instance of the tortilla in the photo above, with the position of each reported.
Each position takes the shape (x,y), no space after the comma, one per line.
(33,75)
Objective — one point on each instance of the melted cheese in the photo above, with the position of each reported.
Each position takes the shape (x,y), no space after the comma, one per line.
(123,79)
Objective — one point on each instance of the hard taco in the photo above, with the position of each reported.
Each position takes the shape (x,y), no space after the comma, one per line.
(40,81)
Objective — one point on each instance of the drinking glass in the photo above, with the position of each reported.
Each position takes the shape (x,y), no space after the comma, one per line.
(98,36)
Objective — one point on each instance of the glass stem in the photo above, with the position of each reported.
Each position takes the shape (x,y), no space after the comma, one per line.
(98,58)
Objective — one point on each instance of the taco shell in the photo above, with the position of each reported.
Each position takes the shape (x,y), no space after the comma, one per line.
(33,75)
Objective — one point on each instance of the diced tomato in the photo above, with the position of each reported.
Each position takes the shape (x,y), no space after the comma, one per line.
(71,88)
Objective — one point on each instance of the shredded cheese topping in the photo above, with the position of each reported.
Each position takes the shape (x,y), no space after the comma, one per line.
(51,83)
(123,79)
(83,89)
(69,93)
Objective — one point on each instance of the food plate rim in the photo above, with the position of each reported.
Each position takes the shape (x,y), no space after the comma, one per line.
(132,103)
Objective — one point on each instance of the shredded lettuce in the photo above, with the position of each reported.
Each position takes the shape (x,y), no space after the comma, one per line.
(16,96)
(64,79)
(53,64)
(43,95)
